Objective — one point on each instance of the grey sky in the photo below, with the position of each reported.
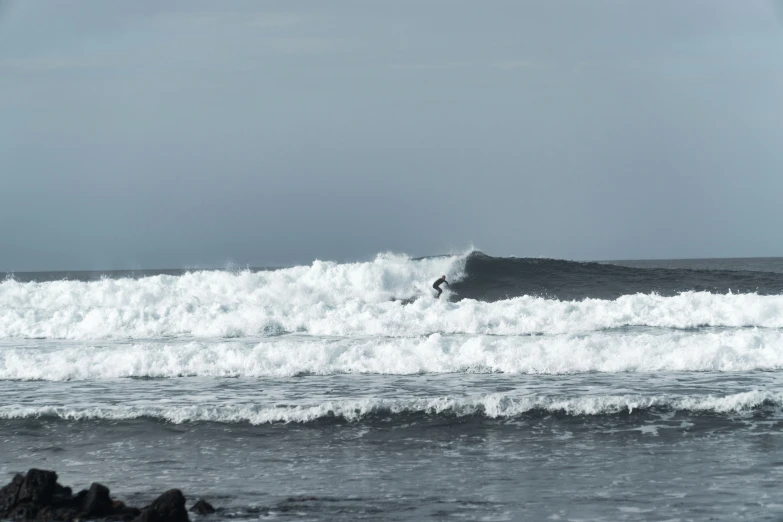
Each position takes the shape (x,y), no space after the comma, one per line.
(152,134)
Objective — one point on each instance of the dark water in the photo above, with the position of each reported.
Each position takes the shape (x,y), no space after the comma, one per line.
(543,390)
(492,279)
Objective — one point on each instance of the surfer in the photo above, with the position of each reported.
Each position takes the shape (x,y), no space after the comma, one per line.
(436,285)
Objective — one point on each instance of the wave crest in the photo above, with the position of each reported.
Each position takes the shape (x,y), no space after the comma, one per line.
(494,406)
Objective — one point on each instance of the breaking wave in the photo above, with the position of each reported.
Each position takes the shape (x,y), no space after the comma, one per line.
(645,350)
(390,296)
(492,406)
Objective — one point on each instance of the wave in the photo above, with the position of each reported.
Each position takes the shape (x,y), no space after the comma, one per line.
(490,278)
(642,351)
(389,296)
(491,406)
(213,303)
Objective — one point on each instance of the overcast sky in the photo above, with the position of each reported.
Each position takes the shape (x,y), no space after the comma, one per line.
(152,134)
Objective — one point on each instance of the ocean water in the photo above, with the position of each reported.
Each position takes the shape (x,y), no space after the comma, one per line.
(535,389)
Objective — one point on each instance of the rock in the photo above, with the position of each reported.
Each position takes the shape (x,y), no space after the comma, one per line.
(24,511)
(62,491)
(49,514)
(169,507)
(124,514)
(9,494)
(63,497)
(38,487)
(37,497)
(202,507)
(80,497)
(97,502)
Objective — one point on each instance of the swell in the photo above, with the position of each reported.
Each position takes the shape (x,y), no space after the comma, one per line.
(491,406)
(493,278)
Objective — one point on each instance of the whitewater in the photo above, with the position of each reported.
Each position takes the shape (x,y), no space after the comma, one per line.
(329,299)
(350,384)
(632,350)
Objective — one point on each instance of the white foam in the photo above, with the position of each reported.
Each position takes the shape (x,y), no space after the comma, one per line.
(215,303)
(494,406)
(339,300)
(645,350)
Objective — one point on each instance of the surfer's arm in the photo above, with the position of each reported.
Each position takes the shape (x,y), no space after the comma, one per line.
(447,284)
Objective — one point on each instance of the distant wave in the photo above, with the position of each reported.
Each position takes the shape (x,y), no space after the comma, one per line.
(493,406)
(390,296)
(604,351)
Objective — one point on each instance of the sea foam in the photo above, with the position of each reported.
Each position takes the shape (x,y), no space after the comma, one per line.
(635,350)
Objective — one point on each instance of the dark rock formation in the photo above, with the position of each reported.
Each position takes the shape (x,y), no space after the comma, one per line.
(202,507)
(9,494)
(38,487)
(169,507)
(98,502)
(37,497)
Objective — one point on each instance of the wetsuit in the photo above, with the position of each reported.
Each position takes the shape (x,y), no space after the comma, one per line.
(436,286)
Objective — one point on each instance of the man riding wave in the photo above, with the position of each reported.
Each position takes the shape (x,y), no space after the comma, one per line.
(436,285)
